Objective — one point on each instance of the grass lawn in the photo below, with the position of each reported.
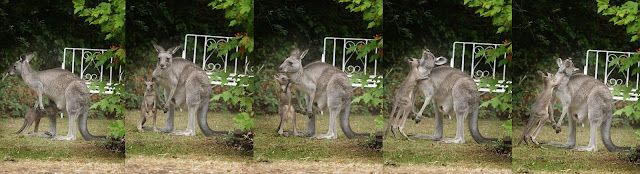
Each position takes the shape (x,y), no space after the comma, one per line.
(400,153)
(555,159)
(18,149)
(280,149)
(150,144)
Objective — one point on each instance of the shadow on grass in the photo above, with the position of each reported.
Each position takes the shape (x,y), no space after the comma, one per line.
(399,151)
(271,146)
(200,147)
(555,159)
(18,146)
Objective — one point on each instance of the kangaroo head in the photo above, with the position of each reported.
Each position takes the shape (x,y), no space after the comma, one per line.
(165,57)
(19,65)
(413,62)
(429,61)
(149,83)
(293,63)
(566,67)
(547,77)
(282,80)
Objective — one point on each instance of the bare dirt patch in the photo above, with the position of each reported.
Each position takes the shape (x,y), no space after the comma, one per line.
(44,166)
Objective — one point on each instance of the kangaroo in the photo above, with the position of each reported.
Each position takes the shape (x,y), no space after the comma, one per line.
(315,79)
(285,109)
(584,98)
(427,62)
(540,109)
(456,94)
(148,108)
(64,88)
(34,116)
(185,85)
(403,99)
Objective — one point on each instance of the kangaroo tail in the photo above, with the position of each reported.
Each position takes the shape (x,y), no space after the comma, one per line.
(473,127)
(23,126)
(605,133)
(202,120)
(344,122)
(82,125)
(393,111)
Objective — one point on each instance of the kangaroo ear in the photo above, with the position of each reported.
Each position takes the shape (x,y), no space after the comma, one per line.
(441,60)
(304,53)
(559,61)
(173,50)
(28,57)
(540,73)
(576,69)
(158,48)
(408,59)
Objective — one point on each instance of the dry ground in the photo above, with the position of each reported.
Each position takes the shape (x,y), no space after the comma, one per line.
(401,154)
(554,159)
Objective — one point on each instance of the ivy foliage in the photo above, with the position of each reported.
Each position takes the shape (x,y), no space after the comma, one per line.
(372,10)
(625,14)
(109,16)
(240,13)
(500,10)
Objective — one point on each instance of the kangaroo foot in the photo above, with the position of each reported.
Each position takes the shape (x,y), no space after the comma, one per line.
(40,134)
(418,119)
(452,140)
(563,145)
(426,137)
(182,133)
(66,138)
(162,129)
(585,148)
(325,136)
(533,140)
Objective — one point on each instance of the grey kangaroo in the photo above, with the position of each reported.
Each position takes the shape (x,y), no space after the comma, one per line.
(286,110)
(325,85)
(33,116)
(148,108)
(403,100)
(454,93)
(585,98)
(427,62)
(185,85)
(540,109)
(64,88)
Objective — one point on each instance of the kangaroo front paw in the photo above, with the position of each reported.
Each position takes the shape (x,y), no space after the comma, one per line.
(557,128)
(42,111)
(165,108)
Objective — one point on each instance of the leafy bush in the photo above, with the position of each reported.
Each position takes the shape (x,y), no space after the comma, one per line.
(373,141)
(115,141)
(633,155)
(16,97)
(244,122)
(502,146)
(242,141)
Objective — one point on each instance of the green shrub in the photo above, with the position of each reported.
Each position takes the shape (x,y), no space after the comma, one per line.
(242,141)
(16,97)
(115,141)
